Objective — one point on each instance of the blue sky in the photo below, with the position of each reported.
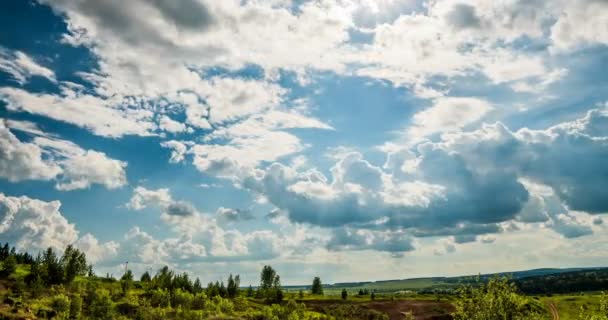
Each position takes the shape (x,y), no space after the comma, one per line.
(354,140)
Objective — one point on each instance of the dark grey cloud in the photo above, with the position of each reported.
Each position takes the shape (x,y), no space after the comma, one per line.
(180,208)
(463,16)
(465,238)
(349,239)
(233,215)
(130,21)
(190,14)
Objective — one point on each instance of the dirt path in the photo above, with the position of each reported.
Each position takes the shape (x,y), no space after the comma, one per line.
(553,309)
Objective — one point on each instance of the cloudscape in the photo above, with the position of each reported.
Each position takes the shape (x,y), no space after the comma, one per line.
(348,139)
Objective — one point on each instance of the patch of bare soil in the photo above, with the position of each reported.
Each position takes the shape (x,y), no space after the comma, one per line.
(396,310)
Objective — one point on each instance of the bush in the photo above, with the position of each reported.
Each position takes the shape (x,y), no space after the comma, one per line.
(160,298)
(182,299)
(101,306)
(61,305)
(198,301)
(497,299)
(599,313)
(75,307)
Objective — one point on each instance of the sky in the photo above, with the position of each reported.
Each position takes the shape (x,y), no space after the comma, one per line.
(348,139)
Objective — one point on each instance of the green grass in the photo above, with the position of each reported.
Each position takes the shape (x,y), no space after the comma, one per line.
(569,305)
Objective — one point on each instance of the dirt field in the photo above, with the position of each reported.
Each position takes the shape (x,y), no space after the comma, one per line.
(421,309)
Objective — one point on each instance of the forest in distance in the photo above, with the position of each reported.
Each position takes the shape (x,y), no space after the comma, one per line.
(54,285)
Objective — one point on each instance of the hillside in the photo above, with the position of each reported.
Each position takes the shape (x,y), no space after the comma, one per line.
(540,276)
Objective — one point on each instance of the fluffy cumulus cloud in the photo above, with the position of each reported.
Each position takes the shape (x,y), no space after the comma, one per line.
(34,225)
(465,185)
(49,158)
(448,114)
(230,87)
(200,237)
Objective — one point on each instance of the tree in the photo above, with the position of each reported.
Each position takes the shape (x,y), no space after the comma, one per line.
(222,290)
(267,278)
(250,291)
(317,287)
(344,294)
(54,272)
(10,265)
(74,262)
(197,287)
(233,286)
(270,284)
(126,282)
(373,296)
(35,278)
(4,251)
(145,277)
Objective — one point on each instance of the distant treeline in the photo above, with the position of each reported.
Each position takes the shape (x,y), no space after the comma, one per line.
(567,282)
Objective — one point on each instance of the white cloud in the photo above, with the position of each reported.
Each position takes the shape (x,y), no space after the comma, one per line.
(580,23)
(103,117)
(22,67)
(95,250)
(448,114)
(34,224)
(143,198)
(48,158)
(23,161)
(170,125)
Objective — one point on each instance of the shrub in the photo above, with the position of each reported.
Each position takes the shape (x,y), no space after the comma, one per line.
(160,298)
(599,313)
(497,299)
(75,307)
(101,306)
(61,305)
(182,299)
(198,301)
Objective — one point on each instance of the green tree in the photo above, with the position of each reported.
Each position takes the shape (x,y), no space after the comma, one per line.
(250,292)
(126,282)
(9,265)
(54,272)
(233,286)
(145,277)
(197,287)
(4,251)
(74,262)
(344,294)
(497,299)
(317,287)
(267,278)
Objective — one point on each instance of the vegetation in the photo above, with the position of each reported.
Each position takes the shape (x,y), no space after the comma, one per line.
(53,286)
(498,299)
(317,287)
